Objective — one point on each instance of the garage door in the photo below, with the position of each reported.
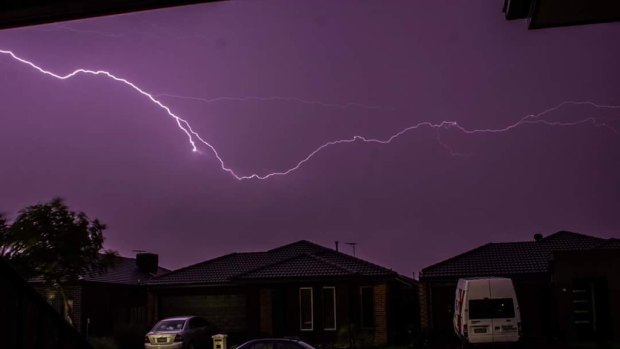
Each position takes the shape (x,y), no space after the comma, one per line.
(227,312)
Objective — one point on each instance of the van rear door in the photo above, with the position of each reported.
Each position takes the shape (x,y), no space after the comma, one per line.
(505,327)
(480,321)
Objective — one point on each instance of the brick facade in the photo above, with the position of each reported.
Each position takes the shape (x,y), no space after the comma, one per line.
(54,298)
(381,316)
(424,313)
(266,318)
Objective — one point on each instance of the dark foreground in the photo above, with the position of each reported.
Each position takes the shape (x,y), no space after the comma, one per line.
(454,344)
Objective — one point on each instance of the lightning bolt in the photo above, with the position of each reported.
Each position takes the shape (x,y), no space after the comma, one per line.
(193,137)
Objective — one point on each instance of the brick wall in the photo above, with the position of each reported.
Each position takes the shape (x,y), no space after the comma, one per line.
(266,321)
(54,298)
(424,313)
(380,301)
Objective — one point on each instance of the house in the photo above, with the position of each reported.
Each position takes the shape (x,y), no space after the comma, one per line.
(28,321)
(299,290)
(32,12)
(116,299)
(555,13)
(567,285)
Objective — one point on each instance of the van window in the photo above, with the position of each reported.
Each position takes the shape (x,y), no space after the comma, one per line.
(491,308)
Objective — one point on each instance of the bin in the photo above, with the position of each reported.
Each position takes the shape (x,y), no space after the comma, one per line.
(219,341)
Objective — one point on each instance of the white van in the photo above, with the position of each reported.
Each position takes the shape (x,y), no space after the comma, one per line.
(486,311)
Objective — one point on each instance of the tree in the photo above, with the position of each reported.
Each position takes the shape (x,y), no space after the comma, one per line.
(51,242)
(4,227)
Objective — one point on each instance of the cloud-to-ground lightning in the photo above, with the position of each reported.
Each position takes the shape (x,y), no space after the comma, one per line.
(194,138)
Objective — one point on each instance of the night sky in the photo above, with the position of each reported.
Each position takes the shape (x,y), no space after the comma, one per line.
(266,83)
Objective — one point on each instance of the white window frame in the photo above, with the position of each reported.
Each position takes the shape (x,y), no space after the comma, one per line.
(335,316)
(301,324)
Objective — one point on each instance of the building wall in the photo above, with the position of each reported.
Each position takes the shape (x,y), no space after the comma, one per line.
(600,270)
(107,309)
(28,321)
(536,305)
(226,308)
(318,335)
(381,315)
(54,298)
(403,313)
(273,309)
(424,306)
(266,314)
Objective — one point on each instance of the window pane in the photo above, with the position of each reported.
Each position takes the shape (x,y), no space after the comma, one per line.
(170,325)
(368,307)
(329,308)
(305,308)
(491,308)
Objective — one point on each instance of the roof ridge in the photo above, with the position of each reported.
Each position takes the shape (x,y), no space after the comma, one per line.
(317,257)
(208,261)
(308,242)
(566,232)
(277,261)
(328,250)
(452,259)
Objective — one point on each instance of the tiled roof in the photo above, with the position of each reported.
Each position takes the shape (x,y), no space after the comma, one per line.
(303,265)
(124,271)
(214,271)
(610,243)
(511,258)
(301,259)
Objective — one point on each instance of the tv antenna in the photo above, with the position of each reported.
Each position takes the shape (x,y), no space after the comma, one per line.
(352,244)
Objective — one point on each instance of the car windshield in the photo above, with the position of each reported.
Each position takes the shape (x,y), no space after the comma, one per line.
(169,325)
(491,308)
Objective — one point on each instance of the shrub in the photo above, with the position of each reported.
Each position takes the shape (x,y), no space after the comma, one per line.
(103,343)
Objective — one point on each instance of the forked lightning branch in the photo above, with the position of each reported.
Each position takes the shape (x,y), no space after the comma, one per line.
(196,142)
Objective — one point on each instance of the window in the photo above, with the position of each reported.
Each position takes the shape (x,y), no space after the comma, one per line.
(170,325)
(491,308)
(306,316)
(329,308)
(367,307)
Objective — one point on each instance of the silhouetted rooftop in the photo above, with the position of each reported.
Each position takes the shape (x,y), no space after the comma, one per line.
(301,259)
(512,258)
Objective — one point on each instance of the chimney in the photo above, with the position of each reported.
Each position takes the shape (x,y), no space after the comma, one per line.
(538,237)
(147,262)
(336,243)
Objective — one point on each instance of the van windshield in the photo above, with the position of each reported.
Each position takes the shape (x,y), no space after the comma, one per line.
(496,308)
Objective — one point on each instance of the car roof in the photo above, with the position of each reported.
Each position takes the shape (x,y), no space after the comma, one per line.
(178,318)
(275,340)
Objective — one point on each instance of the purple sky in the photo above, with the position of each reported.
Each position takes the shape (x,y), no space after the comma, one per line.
(376,67)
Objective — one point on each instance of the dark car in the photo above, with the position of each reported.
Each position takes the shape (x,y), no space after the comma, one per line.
(183,332)
(275,343)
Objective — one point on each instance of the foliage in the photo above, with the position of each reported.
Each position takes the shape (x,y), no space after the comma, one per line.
(54,244)
(51,242)
(4,228)
(130,336)
(103,343)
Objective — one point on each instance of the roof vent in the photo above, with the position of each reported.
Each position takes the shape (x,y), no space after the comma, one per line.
(538,237)
(147,262)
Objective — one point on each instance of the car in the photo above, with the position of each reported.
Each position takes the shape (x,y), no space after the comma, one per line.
(183,332)
(275,343)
